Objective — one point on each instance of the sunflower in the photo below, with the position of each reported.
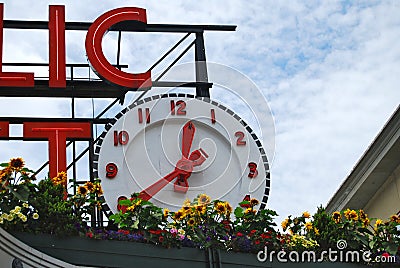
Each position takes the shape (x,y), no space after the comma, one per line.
(16,163)
(347,213)
(191,222)
(166,213)
(220,207)
(186,209)
(82,190)
(61,178)
(336,216)
(366,222)
(90,186)
(306,214)
(228,208)
(353,215)
(254,202)
(203,199)
(308,226)
(179,215)
(284,224)
(395,218)
(97,189)
(200,209)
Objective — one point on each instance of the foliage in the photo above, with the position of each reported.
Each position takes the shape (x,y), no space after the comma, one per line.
(46,207)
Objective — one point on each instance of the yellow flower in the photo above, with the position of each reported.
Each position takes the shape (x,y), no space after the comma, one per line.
(1,220)
(203,199)
(166,212)
(25,205)
(201,209)
(308,226)
(23,218)
(366,222)
(35,216)
(82,190)
(249,210)
(228,208)
(16,163)
(97,189)
(186,203)
(284,224)
(316,231)
(254,202)
(138,202)
(220,207)
(10,217)
(186,209)
(131,208)
(90,186)
(306,214)
(179,215)
(17,209)
(61,178)
(395,218)
(363,216)
(378,222)
(336,216)
(191,222)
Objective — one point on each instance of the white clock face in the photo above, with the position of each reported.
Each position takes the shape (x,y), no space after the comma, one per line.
(173,147)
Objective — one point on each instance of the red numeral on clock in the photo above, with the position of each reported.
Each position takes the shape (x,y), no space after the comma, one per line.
(121,208)
(240,136)
(147,115)
(181,105)
(111,170)
(121,137)
(253,172)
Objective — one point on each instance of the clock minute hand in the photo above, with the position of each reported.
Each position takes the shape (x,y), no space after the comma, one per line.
(150,191)
(187,138)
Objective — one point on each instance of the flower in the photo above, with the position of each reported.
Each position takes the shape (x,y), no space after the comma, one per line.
(395,218)
(284,224)
(353,215)
(254,202)
(228,208)
(89,186)
(61,178)
(97,189)
(191,222)
(378,222)
(179,215)
(82,190)
(200,209)
(306,214)
(35,216)
(166,212)
(316,231)
(220,207)
(25,205)
(249,210)
(203,199)
(363,215)
(16,163)
(336,216)
(308,226)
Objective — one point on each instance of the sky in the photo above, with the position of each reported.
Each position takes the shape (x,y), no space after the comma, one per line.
(328,71)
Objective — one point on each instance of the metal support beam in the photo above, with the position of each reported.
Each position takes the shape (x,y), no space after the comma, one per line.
(201,67)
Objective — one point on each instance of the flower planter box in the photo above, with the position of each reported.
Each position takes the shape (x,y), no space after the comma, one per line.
(112,253)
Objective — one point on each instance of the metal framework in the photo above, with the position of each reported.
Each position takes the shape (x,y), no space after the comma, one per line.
(97,88)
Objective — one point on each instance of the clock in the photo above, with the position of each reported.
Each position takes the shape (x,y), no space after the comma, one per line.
(173,147)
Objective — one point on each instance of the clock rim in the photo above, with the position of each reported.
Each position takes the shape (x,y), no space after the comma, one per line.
(99,143)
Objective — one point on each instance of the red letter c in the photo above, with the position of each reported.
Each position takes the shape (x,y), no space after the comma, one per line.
(95,53)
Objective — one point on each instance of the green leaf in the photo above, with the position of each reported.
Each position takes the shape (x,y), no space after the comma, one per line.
(4,165)
(238,212)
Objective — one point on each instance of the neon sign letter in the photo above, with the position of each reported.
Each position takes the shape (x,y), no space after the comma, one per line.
(95,53)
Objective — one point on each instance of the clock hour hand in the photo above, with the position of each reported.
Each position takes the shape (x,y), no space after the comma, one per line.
(187,138)
(196,158)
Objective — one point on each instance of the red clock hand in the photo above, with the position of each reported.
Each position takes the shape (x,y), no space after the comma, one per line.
(187,138)
(148,193)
